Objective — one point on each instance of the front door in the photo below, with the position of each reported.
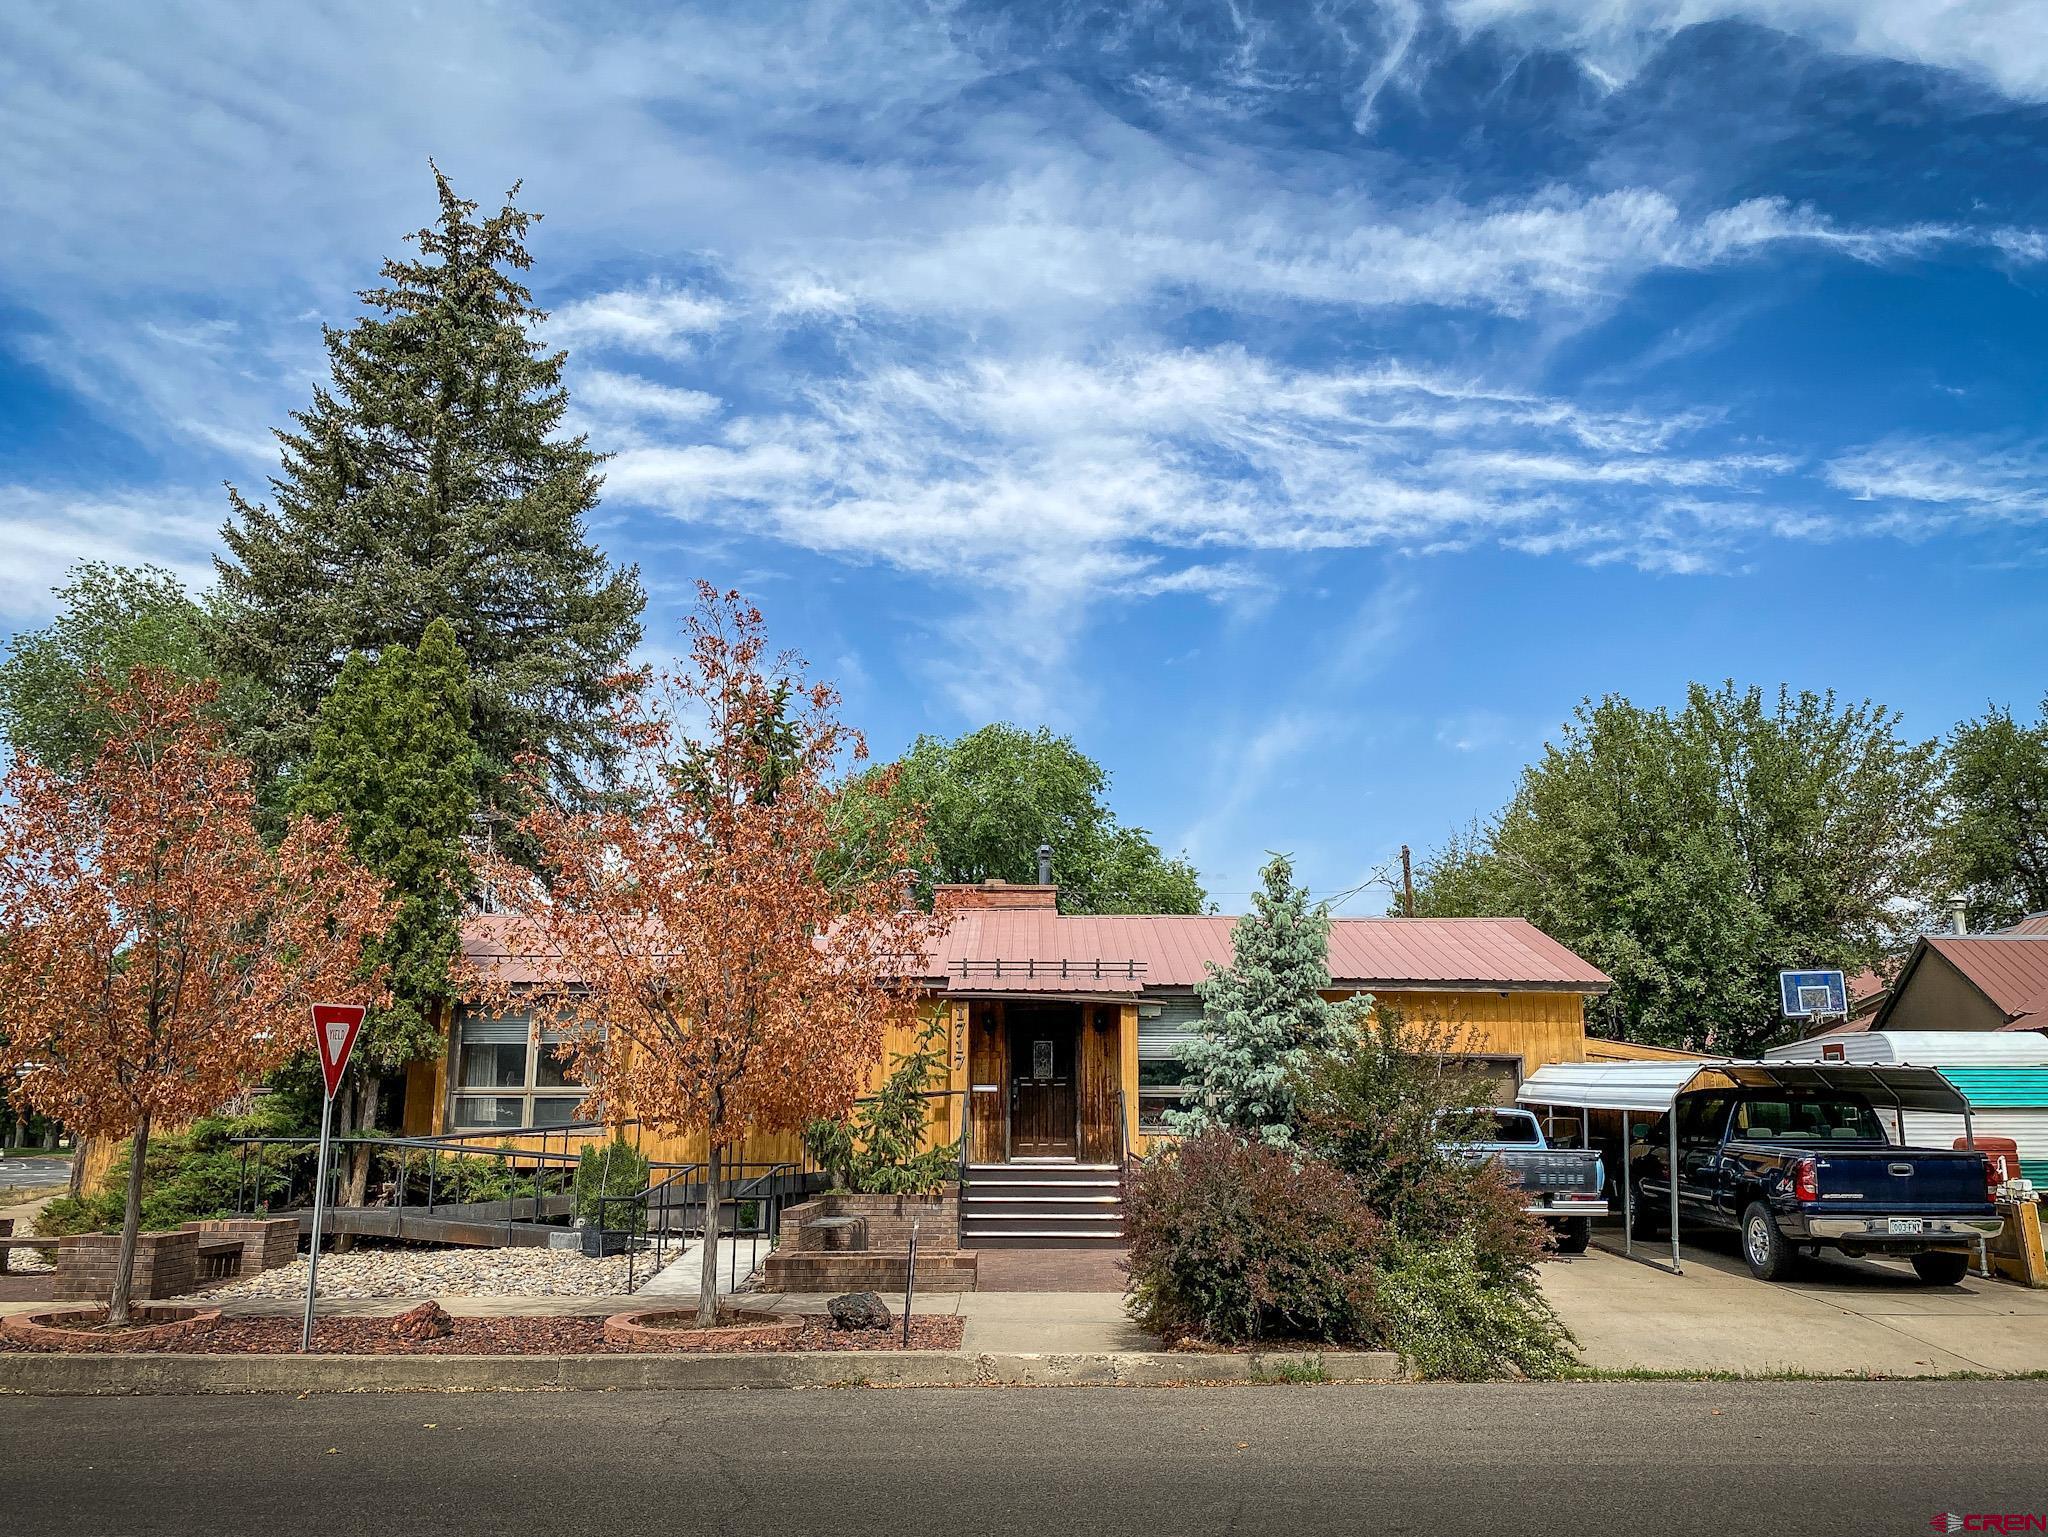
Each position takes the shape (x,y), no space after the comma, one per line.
(1044,1106)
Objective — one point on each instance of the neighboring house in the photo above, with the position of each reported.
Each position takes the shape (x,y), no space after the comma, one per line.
(1065,1032)
(1970,982)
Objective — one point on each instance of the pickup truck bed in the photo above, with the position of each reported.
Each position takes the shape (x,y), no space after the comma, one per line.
(1563,1185)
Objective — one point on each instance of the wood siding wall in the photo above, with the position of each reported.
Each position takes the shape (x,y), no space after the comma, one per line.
(1530,1027)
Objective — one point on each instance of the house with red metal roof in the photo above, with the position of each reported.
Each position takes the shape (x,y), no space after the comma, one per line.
(1971,982)
(1065,1031)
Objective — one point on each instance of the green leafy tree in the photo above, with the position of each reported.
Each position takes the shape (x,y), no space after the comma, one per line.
(110,620)
(993,796)
(1692,854)
(393,763)
(431,479)
(1994,842)
(1265,1019)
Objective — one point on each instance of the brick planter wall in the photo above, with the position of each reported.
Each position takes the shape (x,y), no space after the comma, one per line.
(267,1242)
(946,1270)
(888,1217)
(824,1259)
(166,1265)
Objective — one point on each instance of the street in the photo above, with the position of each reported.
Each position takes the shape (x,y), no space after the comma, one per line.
(1671,1457)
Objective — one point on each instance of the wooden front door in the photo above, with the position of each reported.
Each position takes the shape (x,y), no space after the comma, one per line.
(1044,1103)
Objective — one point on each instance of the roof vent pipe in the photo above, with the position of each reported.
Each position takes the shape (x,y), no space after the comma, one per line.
(1960,906)
(1045,864)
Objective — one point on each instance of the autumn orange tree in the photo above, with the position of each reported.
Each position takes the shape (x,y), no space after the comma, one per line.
(719,961)
(156,957)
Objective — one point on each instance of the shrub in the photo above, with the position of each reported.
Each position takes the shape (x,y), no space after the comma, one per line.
(187,1176)
(881,1149)
(615,1169)
(1232,1241)
(1453,1320)
(1377,1109)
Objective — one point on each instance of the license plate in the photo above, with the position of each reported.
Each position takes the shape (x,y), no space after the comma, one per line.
(1904,1225)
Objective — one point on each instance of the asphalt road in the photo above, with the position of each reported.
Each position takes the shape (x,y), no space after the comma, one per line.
(1565,1458)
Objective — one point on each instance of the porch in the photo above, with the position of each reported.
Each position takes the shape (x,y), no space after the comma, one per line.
(1048,1121)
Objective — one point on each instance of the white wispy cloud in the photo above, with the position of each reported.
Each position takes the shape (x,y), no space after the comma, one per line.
(2003,42)
(655,320)
(43,533)
(1931,481)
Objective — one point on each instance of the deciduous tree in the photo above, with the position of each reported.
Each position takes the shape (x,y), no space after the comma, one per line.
(155,956)
(1994,842)
(721,960)
(1691,854)
(110,620)
(991,797)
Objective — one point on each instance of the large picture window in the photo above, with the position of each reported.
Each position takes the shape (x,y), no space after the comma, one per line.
(1161,1073)
(508,1076)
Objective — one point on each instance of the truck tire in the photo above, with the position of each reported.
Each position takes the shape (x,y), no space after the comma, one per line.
(1573,1234)
(1763,1246)
(1650,1217)
(1938,1268)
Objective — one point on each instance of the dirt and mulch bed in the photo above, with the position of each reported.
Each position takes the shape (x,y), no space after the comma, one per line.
(511,1336)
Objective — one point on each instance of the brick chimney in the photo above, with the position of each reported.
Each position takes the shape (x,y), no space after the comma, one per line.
(1000,896)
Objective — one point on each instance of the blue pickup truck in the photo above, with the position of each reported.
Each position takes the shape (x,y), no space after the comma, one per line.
(1565,1186)
(1806,1169)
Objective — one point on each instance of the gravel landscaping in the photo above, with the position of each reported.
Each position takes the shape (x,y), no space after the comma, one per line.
(515,1336)
(367,1274)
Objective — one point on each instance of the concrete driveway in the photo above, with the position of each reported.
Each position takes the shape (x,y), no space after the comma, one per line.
(1836,1316)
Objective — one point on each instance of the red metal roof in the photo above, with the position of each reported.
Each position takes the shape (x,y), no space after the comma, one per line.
(1074,954)
(1022,951)
(2033,923)
(2009,969)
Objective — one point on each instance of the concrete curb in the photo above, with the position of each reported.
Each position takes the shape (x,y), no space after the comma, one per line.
(89,1374)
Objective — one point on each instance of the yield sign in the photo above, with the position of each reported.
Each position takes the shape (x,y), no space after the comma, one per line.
(334,1029)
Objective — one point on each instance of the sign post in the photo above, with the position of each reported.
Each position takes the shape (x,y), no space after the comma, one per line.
(334,1032)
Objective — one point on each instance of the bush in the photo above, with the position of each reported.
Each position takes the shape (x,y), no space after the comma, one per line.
(1377,1110)
(615,1169)
(881,1149)
(1233,1241)
(1452,1319)
(188,1175)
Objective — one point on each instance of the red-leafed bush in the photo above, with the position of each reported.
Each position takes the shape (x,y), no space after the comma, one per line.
(1233,1241)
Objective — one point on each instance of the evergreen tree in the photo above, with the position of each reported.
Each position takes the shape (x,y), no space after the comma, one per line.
(392,761)
(431,479)
(1265,1019)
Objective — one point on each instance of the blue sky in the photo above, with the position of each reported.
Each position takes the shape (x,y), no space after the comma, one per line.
(1302,405)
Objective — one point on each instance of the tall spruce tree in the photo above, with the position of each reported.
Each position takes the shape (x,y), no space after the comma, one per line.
(431,479)
(392,760)
(1265,1019)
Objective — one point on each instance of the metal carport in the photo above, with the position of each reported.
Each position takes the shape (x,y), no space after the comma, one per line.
(1652,1088)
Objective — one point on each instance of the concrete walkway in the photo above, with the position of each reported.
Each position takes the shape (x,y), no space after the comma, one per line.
(1835,1317)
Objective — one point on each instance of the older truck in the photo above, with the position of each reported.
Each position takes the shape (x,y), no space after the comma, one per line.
(1805,1169)
(1566,1186)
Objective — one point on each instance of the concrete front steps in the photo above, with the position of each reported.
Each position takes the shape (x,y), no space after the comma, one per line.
(1042,1206)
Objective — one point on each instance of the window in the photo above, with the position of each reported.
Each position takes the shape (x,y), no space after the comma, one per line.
(504,1081)
(1701,1117)
(1799,1118)
(1160,1071)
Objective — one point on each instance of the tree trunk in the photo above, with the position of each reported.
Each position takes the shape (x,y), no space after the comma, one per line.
(707,1285)
(79,1146)
(131,1225)
(362,1118)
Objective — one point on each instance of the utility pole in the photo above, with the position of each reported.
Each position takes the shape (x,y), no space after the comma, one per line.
(1407,884)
